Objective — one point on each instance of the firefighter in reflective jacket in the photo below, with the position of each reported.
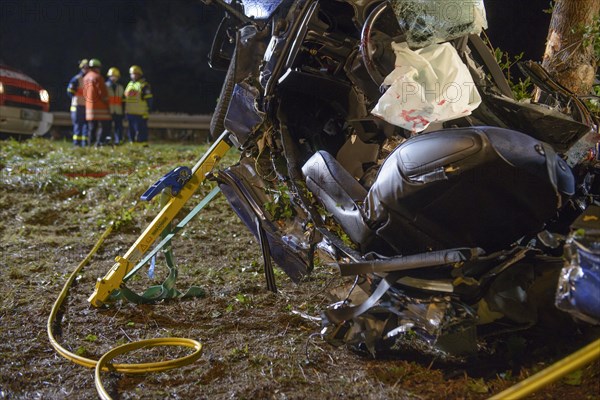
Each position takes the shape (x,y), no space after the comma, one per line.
(138,102)
(96,105)
(75,92)
(115,103)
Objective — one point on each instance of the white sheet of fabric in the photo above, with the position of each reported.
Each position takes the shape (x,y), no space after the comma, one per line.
(428,85)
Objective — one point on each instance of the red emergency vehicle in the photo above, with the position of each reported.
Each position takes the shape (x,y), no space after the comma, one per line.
(24,104)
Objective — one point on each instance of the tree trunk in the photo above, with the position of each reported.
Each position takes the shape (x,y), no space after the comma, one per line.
(567,58)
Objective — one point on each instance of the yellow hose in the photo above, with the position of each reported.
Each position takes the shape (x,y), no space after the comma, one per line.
(101,365)
(559,369)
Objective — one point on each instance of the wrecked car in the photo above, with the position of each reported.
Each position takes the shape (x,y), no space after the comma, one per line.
(385,136)
(382,137)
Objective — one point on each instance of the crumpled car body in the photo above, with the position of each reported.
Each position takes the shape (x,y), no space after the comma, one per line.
(445,230)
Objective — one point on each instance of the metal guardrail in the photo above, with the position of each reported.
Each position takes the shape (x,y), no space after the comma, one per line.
(155,121)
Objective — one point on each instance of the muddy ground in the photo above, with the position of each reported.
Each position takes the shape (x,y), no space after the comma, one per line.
(55,202)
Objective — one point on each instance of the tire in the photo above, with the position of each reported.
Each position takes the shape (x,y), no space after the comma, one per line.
(217,122)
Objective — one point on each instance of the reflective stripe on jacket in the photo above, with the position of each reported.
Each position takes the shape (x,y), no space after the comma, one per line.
(96,97)
(137,95)
(115,97)
(75,91)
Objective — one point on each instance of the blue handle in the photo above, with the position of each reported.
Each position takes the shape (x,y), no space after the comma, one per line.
(174,179)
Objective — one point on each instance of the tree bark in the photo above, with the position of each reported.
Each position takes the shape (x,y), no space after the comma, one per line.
(567,58)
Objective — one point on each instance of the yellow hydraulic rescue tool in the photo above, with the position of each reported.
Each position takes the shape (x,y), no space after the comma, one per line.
(114,278)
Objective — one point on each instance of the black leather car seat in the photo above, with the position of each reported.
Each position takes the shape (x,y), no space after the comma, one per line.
(475,187)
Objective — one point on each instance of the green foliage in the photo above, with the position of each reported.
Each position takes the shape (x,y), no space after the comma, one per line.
(238,353)
(478,386)
(505,61)
(91,338)
(243,299)
(240,299)
(280,207)
(575,378)
(590,36)
(593,102)
(334,227)
(123,219)
(58,168)
(550,8)
(33,149)
(522,88)
(346,239)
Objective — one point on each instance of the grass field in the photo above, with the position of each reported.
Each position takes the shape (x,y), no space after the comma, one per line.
(55,202)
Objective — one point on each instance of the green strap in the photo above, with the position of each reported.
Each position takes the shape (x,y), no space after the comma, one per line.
(169,236)
(167,289)
(160,292)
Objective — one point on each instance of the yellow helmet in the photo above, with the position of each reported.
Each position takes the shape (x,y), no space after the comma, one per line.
(135,69)
(83,63)
(114,71)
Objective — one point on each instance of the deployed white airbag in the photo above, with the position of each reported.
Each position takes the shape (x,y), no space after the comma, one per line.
(427,85)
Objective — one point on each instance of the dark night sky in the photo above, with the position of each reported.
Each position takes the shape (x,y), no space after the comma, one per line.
(170,40)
